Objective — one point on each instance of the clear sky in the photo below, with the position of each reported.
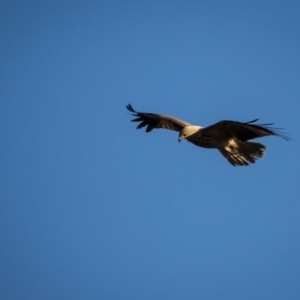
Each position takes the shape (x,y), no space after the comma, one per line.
(92,208)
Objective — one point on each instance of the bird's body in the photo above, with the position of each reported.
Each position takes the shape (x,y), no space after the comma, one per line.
(229,137)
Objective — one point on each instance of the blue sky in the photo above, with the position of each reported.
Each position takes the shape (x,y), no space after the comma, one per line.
(92,208)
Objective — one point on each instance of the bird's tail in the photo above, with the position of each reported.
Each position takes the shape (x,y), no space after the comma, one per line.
(243,153)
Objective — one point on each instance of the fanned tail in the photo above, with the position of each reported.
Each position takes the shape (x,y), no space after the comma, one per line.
(243,153)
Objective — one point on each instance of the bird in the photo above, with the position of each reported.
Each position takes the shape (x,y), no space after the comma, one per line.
(231,138)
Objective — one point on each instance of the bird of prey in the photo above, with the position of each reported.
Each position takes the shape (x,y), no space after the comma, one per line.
(231,138)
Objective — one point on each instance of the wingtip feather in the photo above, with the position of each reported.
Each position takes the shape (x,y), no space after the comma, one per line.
(130,108)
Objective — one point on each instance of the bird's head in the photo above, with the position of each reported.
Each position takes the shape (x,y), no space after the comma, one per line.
(188,131)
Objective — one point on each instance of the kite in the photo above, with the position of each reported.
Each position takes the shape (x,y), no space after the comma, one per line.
(229,137)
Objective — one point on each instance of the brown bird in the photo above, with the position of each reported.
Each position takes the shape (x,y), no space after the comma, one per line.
(229,137)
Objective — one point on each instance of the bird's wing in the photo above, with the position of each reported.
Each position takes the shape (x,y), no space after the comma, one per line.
(244,131)
(156,121)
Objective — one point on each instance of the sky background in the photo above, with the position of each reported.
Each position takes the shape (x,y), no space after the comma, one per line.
(92,208)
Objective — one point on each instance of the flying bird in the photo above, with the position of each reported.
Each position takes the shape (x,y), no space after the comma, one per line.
(231,138)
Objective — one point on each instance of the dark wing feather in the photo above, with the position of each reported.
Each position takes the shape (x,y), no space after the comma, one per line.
(156,121)
(244,131)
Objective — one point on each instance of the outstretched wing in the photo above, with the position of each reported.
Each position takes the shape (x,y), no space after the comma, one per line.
(244,131)
(156,121)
